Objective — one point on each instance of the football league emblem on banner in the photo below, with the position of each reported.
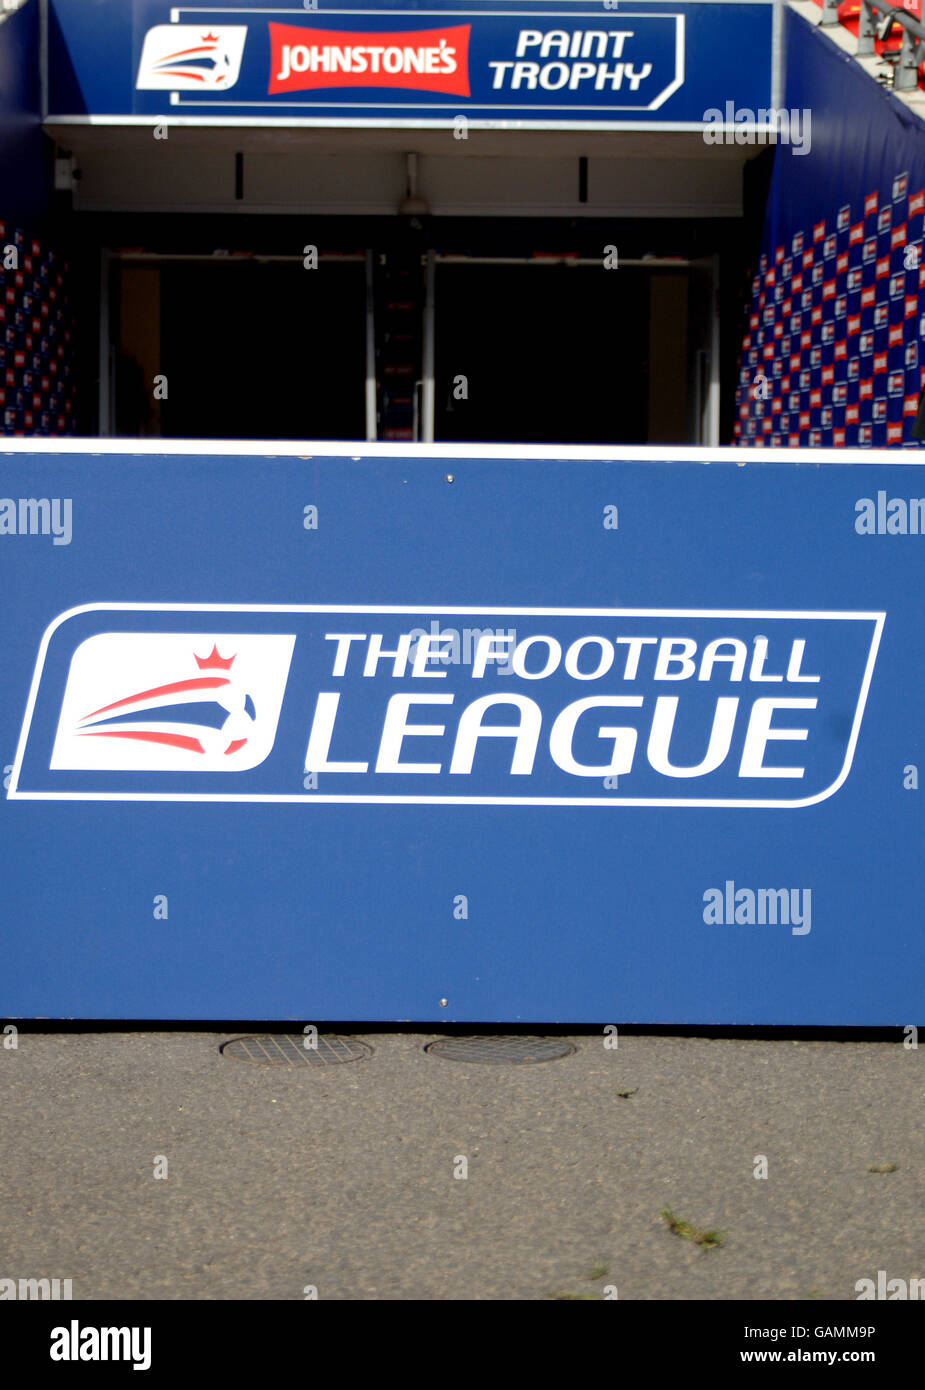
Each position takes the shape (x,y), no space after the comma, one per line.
(191,58)
(166,702)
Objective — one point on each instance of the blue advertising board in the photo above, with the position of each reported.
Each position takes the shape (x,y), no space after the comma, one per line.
(543,65)
(473,734)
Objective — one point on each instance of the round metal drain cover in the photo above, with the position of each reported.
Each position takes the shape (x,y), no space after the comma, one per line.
(283,1050)
(514,1050)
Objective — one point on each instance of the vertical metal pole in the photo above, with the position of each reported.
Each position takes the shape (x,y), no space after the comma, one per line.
(370,351)
(829,12)
(698,396)
(711,423)
(866,31)
(427,401)
(43,57)
(908,68)
(777,54)
(105,402)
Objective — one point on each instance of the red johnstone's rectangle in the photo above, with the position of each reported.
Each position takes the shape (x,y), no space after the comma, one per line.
(422,60)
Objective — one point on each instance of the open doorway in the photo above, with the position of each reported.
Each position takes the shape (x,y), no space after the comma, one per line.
(560,350)
(240,348)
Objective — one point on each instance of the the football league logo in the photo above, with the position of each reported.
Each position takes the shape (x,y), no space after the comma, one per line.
(191,58)
(172,702)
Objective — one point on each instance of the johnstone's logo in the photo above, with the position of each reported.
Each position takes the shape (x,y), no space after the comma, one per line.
(573,707)
(187,58)
(423,60)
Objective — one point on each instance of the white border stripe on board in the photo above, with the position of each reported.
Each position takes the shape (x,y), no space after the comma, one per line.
(360,450)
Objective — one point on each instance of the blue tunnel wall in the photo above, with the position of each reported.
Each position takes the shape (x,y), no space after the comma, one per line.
(833,352)
(36,330)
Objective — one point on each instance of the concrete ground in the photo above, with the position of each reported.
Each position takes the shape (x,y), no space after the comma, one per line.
(342,1177)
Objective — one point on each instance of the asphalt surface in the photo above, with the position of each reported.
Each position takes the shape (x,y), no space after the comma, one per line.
(342,1177)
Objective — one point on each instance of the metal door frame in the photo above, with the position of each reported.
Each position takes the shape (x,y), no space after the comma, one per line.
(111,259)
(707,416)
